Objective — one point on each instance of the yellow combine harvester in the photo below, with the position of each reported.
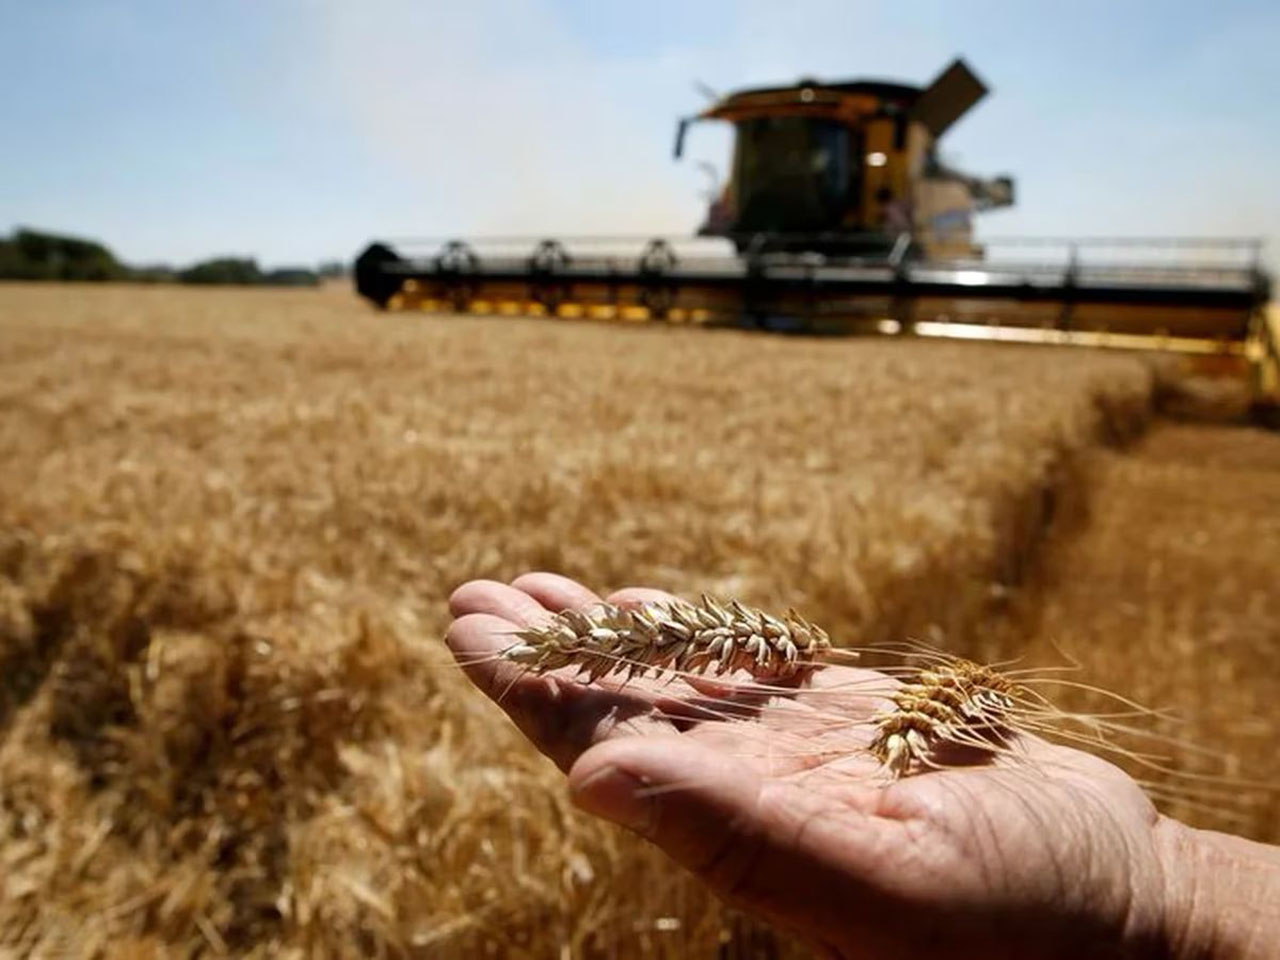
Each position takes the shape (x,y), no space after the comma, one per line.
(840,217)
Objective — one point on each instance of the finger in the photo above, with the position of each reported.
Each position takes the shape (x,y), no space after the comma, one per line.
(555,592)
(682,795)
(561,717)
(634,596)
(531,597)
(499,600)
(758,843)
(515,607)
(477,641)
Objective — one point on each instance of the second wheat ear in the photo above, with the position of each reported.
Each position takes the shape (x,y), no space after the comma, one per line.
(956,701)
(707,637)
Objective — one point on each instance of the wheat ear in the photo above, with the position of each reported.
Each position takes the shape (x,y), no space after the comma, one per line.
(707,637)
(957,702)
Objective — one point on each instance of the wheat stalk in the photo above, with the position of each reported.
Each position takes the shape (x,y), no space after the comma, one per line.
(707,637)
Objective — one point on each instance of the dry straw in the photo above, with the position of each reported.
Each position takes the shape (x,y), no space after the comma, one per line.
(220,724)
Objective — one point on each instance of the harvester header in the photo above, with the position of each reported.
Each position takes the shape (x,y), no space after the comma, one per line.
(839,216)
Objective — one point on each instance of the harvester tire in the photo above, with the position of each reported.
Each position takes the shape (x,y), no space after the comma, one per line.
(373,282)
(1266,414)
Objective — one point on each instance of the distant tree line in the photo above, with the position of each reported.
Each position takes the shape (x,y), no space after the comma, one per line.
(30,255)
(35,255)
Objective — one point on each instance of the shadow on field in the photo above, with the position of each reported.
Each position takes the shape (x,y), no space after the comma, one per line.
(1160,583)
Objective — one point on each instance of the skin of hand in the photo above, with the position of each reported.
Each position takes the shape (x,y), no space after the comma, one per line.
(785,816)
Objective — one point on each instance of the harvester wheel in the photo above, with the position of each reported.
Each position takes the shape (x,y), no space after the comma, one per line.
(549,258)
(455,262)
(373,281)
(1265,413)
(457,257)
(658,290)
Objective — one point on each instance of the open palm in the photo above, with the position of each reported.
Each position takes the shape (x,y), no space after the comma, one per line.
(1058,854)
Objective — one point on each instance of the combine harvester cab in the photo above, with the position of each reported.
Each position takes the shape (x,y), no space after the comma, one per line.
(839,217)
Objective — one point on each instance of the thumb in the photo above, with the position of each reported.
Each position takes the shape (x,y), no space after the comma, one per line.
(701,807)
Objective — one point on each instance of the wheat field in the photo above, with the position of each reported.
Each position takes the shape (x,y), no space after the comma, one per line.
(230,521)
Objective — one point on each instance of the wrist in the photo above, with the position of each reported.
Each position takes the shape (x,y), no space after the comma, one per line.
(1222,894)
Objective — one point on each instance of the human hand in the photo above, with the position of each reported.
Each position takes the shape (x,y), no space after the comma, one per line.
(1058,855)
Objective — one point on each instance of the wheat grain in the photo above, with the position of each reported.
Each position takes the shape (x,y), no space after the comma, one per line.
(707,637)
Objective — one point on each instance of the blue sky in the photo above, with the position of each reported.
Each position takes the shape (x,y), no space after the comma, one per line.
(294,130)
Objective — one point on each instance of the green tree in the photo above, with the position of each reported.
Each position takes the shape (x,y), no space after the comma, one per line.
(35,255)
(291,277)
(222,270)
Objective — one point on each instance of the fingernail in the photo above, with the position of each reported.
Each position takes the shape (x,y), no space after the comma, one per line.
(616,795)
